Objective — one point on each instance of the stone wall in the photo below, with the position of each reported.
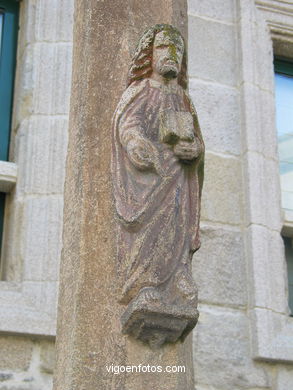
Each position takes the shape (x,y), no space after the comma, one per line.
(220,76)
(223,338)
(31,253)
(25,363)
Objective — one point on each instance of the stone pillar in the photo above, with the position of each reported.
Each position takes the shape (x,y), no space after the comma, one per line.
(89,331)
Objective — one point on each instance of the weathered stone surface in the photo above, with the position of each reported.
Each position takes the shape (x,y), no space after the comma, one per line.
(260,136)
(219,267)
(44,80)
(89,336)
(15,353)
(43,296)
(215,60)
(18,387)
(41,22)
(221,10)
(5,376)
(8,175)
(263,179)
(263,48)
(24,85)
(271,332)
(52,78)
(261,140)
(12,264)
(36,374)
(284,378)
(45,141)
(42,238)
(269,283)
(159,320)
(222,351)
(271,335)
(222,197)
(29,307)
(27,22)
(54,21)
(219,115)
(157,159)
(47,356)
(200,386)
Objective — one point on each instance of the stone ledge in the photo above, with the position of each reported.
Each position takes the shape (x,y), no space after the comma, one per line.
(8,175)
(157,321)
(278,7)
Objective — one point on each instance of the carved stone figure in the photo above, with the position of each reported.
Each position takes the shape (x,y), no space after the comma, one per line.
(157,168)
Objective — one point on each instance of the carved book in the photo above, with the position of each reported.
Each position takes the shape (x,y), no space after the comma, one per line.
(175,126)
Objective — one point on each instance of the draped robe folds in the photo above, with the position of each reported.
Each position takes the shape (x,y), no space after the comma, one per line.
(158,209)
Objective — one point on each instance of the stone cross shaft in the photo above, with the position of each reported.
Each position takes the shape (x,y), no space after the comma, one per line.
(90,337)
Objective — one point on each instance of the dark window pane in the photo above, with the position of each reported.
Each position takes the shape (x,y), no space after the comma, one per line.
(9,24)
(289,257)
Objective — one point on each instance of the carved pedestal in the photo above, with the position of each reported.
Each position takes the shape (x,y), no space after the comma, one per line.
(90,337)
(157,321)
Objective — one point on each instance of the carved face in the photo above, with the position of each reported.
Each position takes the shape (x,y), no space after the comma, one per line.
(167,54)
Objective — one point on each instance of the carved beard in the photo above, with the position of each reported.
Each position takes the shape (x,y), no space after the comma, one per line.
(167,69)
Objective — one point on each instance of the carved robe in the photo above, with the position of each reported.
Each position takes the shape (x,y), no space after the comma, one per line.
(158,209)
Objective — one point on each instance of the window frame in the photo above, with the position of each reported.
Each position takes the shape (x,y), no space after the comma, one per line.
(265,27)
(284,66)
(7,70)
(32,233)
(8,50)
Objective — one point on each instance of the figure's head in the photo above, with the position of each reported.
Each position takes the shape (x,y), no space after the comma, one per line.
(168,49)
(161,49)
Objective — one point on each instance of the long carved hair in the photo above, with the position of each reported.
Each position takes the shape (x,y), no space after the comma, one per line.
(141,64)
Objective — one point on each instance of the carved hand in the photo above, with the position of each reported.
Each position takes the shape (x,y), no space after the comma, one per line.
(187,150)
(141,153)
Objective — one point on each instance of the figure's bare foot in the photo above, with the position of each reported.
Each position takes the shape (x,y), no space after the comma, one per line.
(150,293)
